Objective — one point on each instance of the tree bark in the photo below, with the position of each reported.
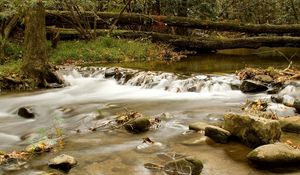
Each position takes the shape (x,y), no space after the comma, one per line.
(35,58)
(54,18)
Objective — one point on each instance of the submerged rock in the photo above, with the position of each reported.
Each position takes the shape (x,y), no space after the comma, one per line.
(217,134)
(278,154)
(26,112)
(252,86)
(62,162)
(44,145)
(198,126)
(184,166)
(290,124)
(138,125)
(252,131)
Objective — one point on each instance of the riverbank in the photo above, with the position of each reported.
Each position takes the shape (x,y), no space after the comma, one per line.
(103,50)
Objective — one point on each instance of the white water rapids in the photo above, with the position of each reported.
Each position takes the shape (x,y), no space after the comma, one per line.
(94,90)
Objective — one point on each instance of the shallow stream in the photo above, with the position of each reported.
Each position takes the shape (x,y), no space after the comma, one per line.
(92,100)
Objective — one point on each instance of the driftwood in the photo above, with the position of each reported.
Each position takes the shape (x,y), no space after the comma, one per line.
(58,18)
(195,44)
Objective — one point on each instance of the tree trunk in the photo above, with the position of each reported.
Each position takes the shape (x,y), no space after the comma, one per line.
(196,44)
(2,53)
(54,18)
(35,58)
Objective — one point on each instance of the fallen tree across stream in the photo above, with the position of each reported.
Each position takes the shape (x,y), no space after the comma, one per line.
(195,44)
(60,18)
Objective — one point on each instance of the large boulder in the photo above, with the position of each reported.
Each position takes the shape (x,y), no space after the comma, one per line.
(252,86)
(62,162)
(290,124)
(278,154)
(184,166)
(217,134)
(138,125)
(251,130)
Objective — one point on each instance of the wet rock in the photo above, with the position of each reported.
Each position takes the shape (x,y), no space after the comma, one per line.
(109,73)
(252,86)
(118,76)
(184,166)
(62,162)
(26,113)
(251,130)
(198,126)
(288,100)
(138,125)
(217,134)
(44,145)
(290,124)
(264,78)
(54,85)
(192,89)
(276,98)
(296,105)
(128,76)
(277,154)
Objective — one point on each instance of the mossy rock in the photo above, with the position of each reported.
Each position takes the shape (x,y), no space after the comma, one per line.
(184,166)
(138,125)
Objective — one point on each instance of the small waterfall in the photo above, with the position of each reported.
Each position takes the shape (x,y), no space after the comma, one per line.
(162,80)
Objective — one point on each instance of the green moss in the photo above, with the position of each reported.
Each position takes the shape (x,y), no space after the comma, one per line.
(105,49)
(10,68)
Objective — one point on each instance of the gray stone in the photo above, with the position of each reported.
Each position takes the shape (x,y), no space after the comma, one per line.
(26,112)
(276,98)
(290,124)
(62,162)
(288,100)
(217,134)
(138,125)
(109,73)
(252,86)
(277,154)
(184,166)
(198,126)
(252,131)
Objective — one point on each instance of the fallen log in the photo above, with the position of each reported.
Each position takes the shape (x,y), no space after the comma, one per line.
(59,19)
(195,44)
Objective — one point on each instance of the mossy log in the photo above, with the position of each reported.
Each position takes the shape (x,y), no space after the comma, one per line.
(195,44)
(60,18)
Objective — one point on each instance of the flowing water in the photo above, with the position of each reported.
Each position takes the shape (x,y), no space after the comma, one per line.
(92,100)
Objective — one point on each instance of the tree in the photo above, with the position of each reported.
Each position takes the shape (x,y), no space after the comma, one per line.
(35,58)
(9,16)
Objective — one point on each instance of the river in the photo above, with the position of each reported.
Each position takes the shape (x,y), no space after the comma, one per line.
(185,92)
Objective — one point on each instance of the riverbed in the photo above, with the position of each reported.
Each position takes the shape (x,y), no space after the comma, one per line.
(180,95)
